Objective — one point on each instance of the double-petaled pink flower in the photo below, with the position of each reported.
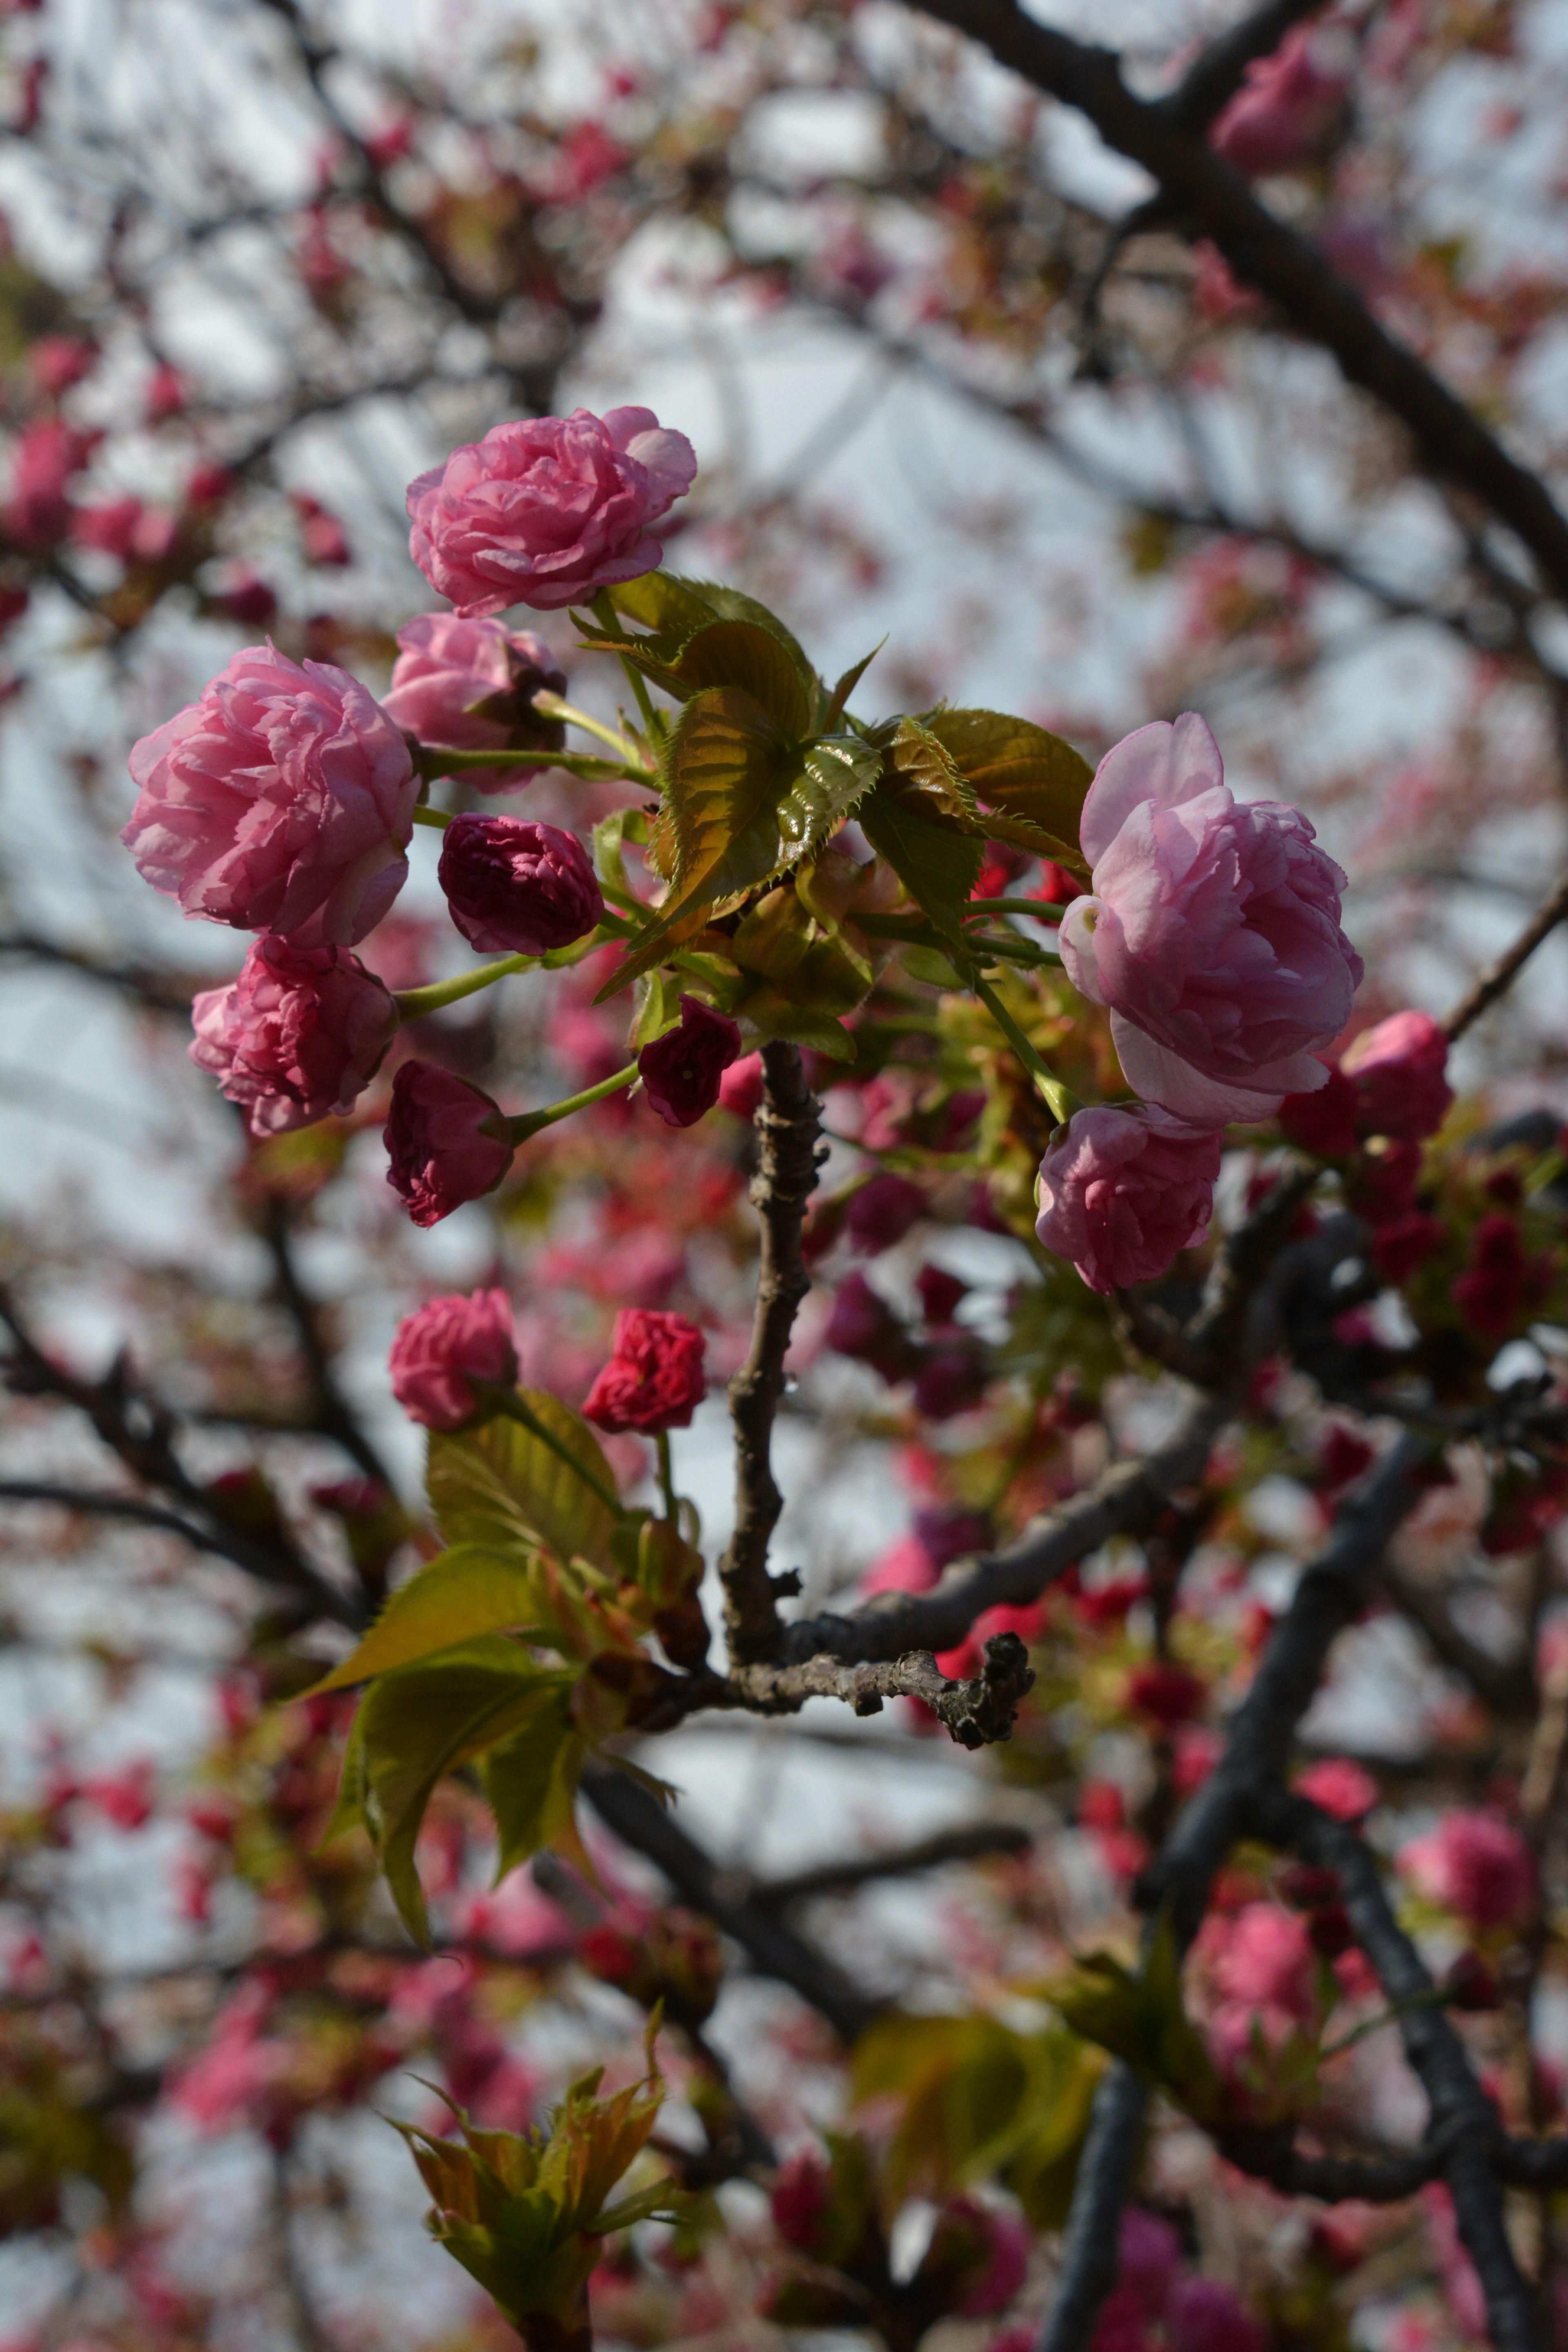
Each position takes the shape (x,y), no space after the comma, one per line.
(443,1348)
(547,510)
(1121,1190)
(469,686)
(1212,933)
(281,801)
(299,1034)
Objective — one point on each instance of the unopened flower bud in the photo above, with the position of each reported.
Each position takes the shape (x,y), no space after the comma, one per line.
(515,887)
(446,1141)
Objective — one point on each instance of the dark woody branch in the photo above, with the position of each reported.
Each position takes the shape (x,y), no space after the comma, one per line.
(975,1712)
(971,1843)
(1499,977)
(1130,1500)
(788,1126)
(1175,1885)
(773,1947)
(1461,2113)
(1213,201)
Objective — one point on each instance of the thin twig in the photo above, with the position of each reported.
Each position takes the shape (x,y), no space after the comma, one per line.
(1213,201)
(1500,976)
(788,1125)
(773,1947)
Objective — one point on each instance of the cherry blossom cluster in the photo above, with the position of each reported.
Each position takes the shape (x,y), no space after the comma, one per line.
(284,800)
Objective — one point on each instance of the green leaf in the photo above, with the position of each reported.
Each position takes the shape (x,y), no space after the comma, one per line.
(530,1778)
(847,685)
(743,801)
(937,867)
(675,609)
(773,1013)
(499,1488)
(1020,769)
(741,654)
(1141,2019)
(464,1591)
(425,1720)
(925,779)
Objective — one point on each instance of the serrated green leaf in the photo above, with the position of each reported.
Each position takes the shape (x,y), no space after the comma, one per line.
(744,655)
(742,802)
(425,1720)
(920,772)
(465,1591)
(847,685)
(773,1013)
(1019,769)
(530,1778)
(937,867)
(663,601)
(499,1488)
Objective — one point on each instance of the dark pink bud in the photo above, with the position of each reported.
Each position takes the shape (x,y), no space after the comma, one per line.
(1405,1243)
(1324,1123)
(299,1035)
(950,1532)
(246,598)
(518,889)
(446,1141)
(949,1379)
(802,2193)
(863,1326)
(882,1212)
(57,361)
(939,1293)
(442,1347)
(653,1379)
(1398,1071)
(683,1070)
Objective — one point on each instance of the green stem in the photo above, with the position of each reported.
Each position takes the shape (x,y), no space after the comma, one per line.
(507,1401)
(530,1122)
(609,620)
(1036,907)
(1437,1997)
(439,818)
(551,706)
(1061,1099)
(433,763)
(667,1477)
(413,1003)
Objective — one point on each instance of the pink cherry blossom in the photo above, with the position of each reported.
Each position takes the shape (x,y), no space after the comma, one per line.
(1206,2315)
(299,1035)
(547,510)
(1473,1864)
(1212,933)
(1121,1190)
(443,1346)
(1397,1070)
(281,801)
(1285,107)
(447,666)
(1266,1961)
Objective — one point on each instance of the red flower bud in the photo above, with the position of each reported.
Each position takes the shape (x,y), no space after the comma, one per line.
(446,1141)
(683,1070)
(882,1212)
(515,887)
(653,1379)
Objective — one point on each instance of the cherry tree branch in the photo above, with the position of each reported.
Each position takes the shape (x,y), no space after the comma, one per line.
(1130,1500)
(1214,202)
(787,1125)
(1460,2109)
(1329,1592)
(1499,977)
(773,1947)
